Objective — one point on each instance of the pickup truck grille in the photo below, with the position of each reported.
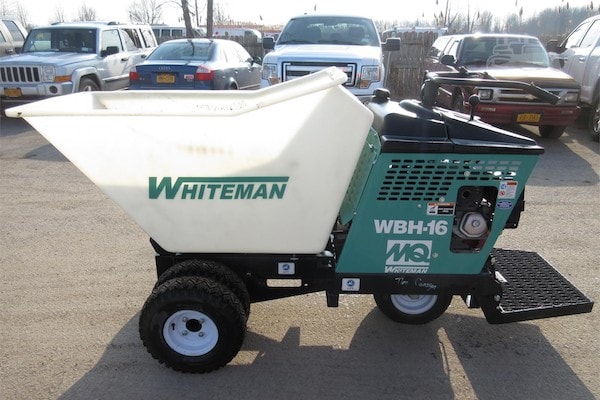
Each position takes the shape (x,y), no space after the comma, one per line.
(292,70)
(521,97)
(20,74)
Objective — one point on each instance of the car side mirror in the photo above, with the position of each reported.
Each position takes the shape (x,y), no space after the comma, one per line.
(448,59)
(552,46)
(268,43)
(256,60)
(391,44)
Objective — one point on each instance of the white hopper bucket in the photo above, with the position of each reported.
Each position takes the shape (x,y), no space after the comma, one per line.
(208,171)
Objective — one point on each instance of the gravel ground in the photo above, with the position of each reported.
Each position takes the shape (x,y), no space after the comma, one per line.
(75,271)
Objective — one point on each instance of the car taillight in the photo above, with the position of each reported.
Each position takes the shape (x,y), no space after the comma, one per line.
(204,74)
(133,74)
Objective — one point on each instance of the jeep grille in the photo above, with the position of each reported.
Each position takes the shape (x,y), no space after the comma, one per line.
(19,74)
(292,70)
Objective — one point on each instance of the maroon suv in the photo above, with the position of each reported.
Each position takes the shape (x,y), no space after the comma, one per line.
(505,57)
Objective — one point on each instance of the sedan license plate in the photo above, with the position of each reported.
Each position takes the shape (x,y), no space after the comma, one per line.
(165,78)
(16,92)
(528,117)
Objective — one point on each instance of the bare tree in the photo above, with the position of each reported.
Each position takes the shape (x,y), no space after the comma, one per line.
(22,14)
(209,18)
(187,19)
(5,7)
(220,17)
(85,13)
(59,15)
(145,11)
(486,19)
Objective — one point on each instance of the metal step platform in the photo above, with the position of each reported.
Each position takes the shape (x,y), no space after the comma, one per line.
(532,289)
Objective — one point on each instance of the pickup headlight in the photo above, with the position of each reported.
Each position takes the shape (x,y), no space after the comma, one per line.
(368,75)
(571,97)
(269,71)
(48,73)
(485,94)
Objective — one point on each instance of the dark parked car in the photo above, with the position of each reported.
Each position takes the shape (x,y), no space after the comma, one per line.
(204,64)
(506,57)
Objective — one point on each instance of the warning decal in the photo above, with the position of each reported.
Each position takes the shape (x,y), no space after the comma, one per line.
(508,190)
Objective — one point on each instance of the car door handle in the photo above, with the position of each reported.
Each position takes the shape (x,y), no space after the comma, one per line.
(581,58)
(125,59)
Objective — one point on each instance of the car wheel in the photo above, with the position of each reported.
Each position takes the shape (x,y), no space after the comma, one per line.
(192,324)
(458,104)
(594,120)
(88,85)
(551,132)
(412,309)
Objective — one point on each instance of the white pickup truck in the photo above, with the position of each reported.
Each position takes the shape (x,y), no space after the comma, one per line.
(312,42)
(579,56)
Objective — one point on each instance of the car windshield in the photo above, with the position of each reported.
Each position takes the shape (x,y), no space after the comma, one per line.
(68,40)
(503,52)
(183,50)
(330,30)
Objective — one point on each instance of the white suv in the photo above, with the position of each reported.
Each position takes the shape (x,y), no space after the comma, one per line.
(579,56)
(73,57)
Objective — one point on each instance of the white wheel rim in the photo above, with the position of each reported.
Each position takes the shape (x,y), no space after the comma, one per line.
(414,304)
(190,333)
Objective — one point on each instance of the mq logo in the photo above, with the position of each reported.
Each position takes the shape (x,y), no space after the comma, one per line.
(408,256)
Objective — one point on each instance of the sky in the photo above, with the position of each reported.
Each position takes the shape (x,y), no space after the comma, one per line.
(279,11)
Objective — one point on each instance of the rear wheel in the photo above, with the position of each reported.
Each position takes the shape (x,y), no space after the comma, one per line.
(212,270)
(412,308)
(594,120)
(192,324)
(551,132)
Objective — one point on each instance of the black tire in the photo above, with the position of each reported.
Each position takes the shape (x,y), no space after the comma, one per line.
(192,324)
(594,120)
(88,85)
(412,309)
(551,132)
(212,270)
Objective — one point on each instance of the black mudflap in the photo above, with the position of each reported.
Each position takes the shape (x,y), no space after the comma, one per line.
(532,289)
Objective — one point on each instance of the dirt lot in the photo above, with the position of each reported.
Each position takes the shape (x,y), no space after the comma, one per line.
(75,271)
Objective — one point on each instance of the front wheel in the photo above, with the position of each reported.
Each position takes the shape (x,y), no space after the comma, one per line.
(88,85)
(192,324)
(594,120)
(551,132)
(414,309)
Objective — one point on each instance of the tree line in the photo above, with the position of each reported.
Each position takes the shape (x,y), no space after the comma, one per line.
(554,21)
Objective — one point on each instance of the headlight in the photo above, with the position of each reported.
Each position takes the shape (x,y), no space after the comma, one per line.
(571,97)
(485,94)
(368,75)
(269,71)
(48,73)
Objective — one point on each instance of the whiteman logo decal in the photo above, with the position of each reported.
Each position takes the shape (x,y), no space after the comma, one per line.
(210,188)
